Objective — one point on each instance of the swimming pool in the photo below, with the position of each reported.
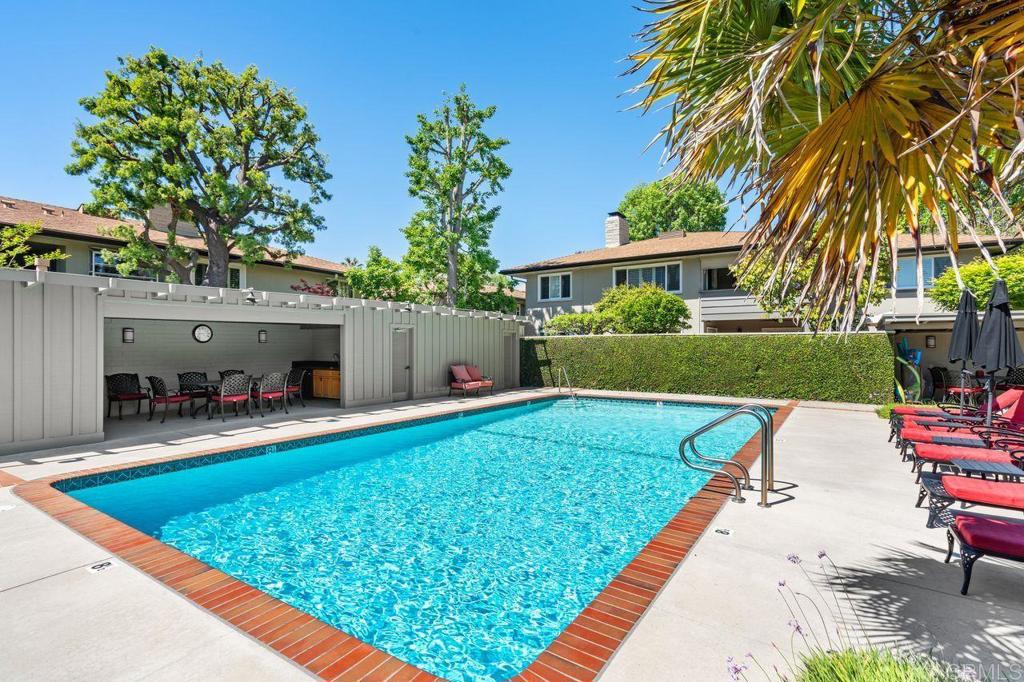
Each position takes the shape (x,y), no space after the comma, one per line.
(463,546)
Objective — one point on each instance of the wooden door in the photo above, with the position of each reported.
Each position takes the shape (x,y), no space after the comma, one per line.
(401,364)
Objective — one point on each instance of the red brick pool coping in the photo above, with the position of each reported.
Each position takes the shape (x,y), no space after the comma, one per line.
(576,655)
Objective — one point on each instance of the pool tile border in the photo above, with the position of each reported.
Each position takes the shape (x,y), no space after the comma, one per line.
(578,654)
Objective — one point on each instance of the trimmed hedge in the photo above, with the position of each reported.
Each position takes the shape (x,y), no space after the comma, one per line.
(848,368)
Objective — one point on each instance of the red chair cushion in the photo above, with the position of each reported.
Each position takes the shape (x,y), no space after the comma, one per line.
(474,373)
(928,410)
(947,453)
(178,398)
(970,390)
(919,434)
(268,394)
(230,398)
(1001,536)
(460,373)
(293,389)
(981,491)
(466,385)
(130,396)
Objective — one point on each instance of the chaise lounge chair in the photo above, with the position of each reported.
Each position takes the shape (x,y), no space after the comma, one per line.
(984,536)
(902,415)
(943,490)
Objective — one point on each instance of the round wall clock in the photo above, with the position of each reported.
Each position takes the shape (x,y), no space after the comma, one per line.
(202,333)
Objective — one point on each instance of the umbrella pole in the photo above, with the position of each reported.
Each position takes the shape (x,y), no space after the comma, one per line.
(988,412)
(963,383)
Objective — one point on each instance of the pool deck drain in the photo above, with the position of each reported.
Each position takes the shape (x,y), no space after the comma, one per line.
(577,655)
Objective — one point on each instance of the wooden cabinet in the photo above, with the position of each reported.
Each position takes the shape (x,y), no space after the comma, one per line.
(327,383)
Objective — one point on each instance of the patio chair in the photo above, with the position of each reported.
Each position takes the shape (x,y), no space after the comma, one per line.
(984,536)
(160,396)
(225,373)
(475,375)
(233,390)
(941,382)
(293,385)
(903,414)
(459,380)
(944,490)
(194,383)
(122,388)
(270,387)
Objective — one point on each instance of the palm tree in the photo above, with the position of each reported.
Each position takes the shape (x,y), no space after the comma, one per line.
(843,121)
(351,262)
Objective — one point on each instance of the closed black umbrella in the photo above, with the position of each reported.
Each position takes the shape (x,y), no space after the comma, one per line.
(965,335)
(998,347)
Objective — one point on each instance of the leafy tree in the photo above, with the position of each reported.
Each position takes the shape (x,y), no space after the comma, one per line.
(781,293)
(839,119)
(15,250)
(381,278)
(645,309)
(979,278)
(224,151)
(454,170)
(667,205)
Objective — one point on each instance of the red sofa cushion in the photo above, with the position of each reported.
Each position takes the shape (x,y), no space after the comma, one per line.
(947,453)
(460,373)
(130,396)
(466,385)
(178,398)
(230,398)
(1001,536)
(268,394)
(981,491)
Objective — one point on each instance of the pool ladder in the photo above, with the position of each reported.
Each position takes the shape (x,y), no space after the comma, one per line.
(766,427)
(562,372)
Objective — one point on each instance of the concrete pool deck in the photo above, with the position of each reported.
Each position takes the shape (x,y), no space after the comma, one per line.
(853,498)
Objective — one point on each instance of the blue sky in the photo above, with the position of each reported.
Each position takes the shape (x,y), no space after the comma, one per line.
(364,70)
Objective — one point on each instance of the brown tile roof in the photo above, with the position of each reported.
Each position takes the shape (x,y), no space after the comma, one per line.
(693,243)
(70,222)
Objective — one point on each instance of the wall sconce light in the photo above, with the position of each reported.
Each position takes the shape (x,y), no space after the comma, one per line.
(929,341)
(127,335)
(261,336)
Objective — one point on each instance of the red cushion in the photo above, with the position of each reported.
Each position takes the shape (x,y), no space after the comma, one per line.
(1001,536)
(970,390)
(230,398)
(486,382)
(474,372)
(947,453)
(178,398)
(930,410)
(268,394)
(130,396)
(460,373)
(293,389)
(466,385)
(981,491)
(919,434)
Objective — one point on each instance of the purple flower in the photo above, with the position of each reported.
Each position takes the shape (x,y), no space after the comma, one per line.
(793,558)
(795,624)
(822,554)
(735,669)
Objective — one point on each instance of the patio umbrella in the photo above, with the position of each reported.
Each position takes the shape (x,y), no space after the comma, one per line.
(998,347)
(965,335)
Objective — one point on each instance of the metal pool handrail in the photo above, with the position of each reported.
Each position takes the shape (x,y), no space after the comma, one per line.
(563,372)
(767,430)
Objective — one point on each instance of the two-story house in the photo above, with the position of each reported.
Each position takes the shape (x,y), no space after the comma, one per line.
(695,267)
(83,237)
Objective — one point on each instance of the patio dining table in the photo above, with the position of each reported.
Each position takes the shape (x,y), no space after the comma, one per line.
(210,386)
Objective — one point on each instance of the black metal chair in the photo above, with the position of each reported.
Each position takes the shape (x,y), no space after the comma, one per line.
(270,388)
(941,382)
(123,388)
(225,373)
(160,396)
(234,389)
(293,385)
(194,383)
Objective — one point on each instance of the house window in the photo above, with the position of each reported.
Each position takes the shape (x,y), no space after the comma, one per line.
(234,276)
(718,279)
(102,268)
(555,287)
(667,277)
(36,250)
(931,266)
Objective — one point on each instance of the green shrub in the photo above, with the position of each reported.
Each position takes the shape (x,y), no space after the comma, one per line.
(626,310)
(850,368)
(575,324)
(979,278)
(871,665)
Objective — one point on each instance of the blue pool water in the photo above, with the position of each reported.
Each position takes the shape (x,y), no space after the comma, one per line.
(462,546)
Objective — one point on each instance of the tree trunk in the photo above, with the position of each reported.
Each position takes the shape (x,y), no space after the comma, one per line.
(217,270)
(453,276)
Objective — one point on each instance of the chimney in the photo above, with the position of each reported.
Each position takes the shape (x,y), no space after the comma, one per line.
(616,229)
